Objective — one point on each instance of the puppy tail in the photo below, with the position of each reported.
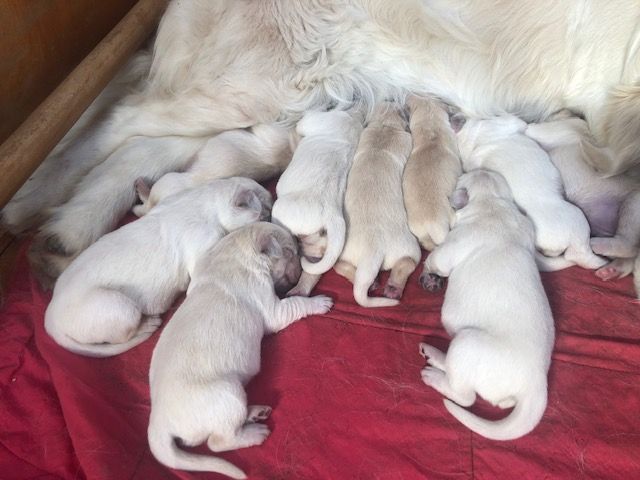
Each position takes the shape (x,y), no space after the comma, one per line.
(366,274)
(524,417)
(336,231)
(165,450)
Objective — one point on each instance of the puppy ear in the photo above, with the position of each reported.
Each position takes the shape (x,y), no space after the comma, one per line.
(459,198)
(270,246)
(142,188)
(246,199)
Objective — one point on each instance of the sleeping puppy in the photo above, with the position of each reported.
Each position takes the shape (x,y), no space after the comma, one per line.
(495,309)
(310,193)
(611,204)
(562,231)
(111,297)
(378,235)
(260,153)
(211,347)
(431,172)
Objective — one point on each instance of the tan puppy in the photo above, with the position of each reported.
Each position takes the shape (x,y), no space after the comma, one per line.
(211,348)
(496,310)
(431,172)
(378,236)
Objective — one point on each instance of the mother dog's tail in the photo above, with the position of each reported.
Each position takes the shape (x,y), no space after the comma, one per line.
(525,416)
(164,448)
(336,231)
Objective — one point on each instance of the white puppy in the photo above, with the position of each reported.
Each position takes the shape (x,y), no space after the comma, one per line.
(378,234)
(260,153)
(310,193)
(562,231)
(495,309)
(111,297)
(611,204)
(431,172)
(211,348)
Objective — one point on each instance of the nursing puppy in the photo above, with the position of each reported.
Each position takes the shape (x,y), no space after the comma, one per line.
(562,231)
(211,348)
(310,193)
(261,152)
(611,204)
(222,65)
(431,172)
(495,309)
(111,297)
(378,235)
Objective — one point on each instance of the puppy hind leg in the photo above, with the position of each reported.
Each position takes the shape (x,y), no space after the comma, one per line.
(398,278)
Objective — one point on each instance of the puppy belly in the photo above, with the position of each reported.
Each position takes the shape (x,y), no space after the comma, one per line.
(602,215)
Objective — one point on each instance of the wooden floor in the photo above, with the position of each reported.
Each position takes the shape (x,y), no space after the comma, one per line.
(8,253)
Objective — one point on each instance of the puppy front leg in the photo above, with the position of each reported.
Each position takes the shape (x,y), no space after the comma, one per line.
(306,283)
(290,309)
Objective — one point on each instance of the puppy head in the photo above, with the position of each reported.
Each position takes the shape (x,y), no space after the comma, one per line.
(281,251)
(167,185)
(475,132)
(248,202)
(479,184)
(314,245)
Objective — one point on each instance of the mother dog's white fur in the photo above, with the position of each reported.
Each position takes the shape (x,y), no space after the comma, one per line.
(260,153)
(496,311)
(111,297)
(562,231)
(211,348)
(225,64)
(310,193)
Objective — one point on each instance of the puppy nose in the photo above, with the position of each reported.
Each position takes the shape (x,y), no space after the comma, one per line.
(313,259)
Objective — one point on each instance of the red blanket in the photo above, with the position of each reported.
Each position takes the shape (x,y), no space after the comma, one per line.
(347,396)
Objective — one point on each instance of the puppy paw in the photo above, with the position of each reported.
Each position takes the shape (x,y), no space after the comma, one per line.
(258,413)
(432,376)
(431,282)
(150,325)
(434,357)
(391,291)
(254,434)
(321,304)
(607,273)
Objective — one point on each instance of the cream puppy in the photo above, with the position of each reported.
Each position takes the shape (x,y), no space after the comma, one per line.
(611,204)
(260,152)
(431,172)
(211,348)
(111,297)
(378,235)
(495,309)
(562,231)
(310,193)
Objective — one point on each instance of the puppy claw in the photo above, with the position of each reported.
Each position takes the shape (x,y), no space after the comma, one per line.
(258,413)
(431,282)
(321,304)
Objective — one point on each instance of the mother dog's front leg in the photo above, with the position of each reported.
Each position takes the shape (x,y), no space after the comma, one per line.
(103,197)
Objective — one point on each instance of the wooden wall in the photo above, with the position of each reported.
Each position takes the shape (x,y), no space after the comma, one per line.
(41,41)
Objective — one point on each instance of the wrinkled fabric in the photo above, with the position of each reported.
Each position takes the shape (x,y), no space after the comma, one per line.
(347,398)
